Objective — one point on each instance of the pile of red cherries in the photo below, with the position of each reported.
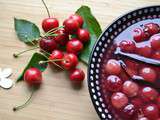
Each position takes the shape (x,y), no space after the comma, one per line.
(63,50)
(131,100)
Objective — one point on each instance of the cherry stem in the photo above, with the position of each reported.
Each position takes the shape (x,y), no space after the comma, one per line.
(17,54)
(23,105)
(51,61)
(55,60)
(46,8)
(52,31)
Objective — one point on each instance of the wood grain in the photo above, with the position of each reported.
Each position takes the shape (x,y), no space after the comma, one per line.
(57,99)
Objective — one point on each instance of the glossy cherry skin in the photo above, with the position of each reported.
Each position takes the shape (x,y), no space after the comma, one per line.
(119,100)
(158,102)
(77,18)
(151,28)
(74,46)
(130,88)
(77,75)
(143,118)
(148,94)
(83,35)
(127,46)
(69,61)
(113,83)
(156,55)
(56,54)
(145,51)
(151,111)
(155,42)
(113,67)
(137,102)
(139,35)
(33,77)
(148,74)
(47,44)
(62,37)
(71,26)
(49,24)
(129,111)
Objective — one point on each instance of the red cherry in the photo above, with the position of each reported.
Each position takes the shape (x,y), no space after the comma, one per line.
(145,51)
(151,28)
(49,24)
(129,111)
(127,46)
(119,100)
(113,83)
(158,102)
(155,42)
(77,18)
(148,94)
(130,88)
(56,54)
(148,74)
(83,35)
(113,67)
(131,64)
(137,102)
(74,46)
(139,35)
(156,55)
(77,75)
(143,118)
(47,44)
(62,37)
(151,111)
(33,77)
(70,61)
(71,26)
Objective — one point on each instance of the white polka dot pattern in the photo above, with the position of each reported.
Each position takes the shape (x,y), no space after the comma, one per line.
(100,48)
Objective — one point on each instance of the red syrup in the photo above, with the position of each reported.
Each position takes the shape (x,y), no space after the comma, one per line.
(126,98)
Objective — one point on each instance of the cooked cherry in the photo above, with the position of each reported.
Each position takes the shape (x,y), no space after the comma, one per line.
(119,100)
(130,88)
(145,51)
(137,102)
(129,111)
(148,74)
(156,55)
(158,102)
(113,67)
(148,94)
(127,46)
(143,118)
(151,111)
(113,83)
(138,35)
(151,28)
(155,42)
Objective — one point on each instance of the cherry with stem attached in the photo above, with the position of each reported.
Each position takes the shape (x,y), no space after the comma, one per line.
(33,78)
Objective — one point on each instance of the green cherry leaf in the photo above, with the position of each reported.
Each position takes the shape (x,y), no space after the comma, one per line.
(26,30)
(92,25)
(34,62)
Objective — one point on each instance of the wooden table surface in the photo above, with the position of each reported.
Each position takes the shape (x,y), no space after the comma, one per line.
(57,99)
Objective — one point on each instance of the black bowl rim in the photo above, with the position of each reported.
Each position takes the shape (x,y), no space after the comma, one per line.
(91,54)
